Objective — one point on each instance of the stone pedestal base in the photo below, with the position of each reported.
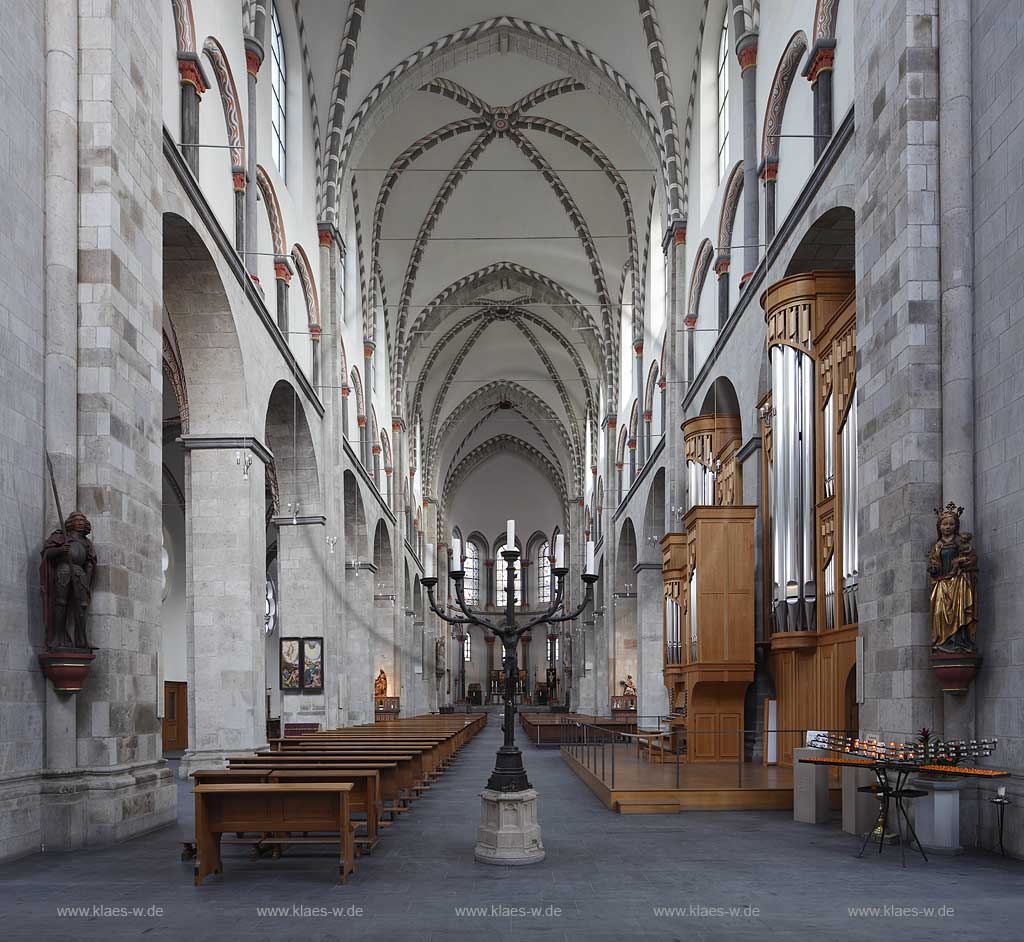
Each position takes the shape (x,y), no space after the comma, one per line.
(509,834)
(860,810)
(810,788)
(937,815)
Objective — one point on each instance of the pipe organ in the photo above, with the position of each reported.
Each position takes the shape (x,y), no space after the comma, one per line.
(711,443)
(809,431)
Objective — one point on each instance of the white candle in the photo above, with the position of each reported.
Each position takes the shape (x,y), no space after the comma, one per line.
(428,562)
(560,551)
(456,555)
(1002,791)
(589,568)
(510,536)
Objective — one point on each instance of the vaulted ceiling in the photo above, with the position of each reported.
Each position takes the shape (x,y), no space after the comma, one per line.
(502,160)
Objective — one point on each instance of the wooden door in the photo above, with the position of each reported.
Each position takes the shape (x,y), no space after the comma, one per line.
(175,731)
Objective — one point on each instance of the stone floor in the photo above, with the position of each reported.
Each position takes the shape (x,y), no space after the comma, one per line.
(732,876)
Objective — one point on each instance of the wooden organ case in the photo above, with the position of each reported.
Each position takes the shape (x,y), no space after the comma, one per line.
(708,574)
(809,434)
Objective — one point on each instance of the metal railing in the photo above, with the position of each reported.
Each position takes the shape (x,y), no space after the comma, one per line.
(599,748)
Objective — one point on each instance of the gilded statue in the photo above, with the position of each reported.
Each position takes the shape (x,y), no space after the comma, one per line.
(380,685)
(953,573)
(65,575)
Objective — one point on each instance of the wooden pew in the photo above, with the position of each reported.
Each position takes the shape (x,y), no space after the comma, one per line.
(396,777)
(271,807)
(365,795)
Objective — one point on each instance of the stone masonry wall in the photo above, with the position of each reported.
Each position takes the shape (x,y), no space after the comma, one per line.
(22,486)
(898,355)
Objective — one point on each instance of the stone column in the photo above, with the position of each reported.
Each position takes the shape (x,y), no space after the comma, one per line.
(490,593)
(648,437)
(652,698)
(314,340)
(638,385)
(253,61)
(283,278)
(818,72)
(301,564)
(957,240)
(359,673)
(746,52)
(368,438)
(769,171)
(225,559)
(60,364)
(673,382)
(722,270)
(193,84)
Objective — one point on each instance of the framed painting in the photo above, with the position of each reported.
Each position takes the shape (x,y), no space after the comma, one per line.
(313,665)
(291,663)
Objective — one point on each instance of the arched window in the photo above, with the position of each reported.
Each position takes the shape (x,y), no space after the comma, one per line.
(723,99)
(499,579)
(554,650)
(467,648)
(278,85)
(471,567)
(543,570)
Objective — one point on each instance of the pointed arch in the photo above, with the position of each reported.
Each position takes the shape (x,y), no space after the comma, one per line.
(230,103)
(825,14)
(328,193)
(273,211)
(700,270)
(302,266)
(184,26)
(777,96)
(730,203)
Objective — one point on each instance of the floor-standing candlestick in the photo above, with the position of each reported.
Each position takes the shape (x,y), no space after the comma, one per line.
(508,782)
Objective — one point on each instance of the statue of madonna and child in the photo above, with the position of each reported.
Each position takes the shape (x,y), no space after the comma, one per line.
(953,574)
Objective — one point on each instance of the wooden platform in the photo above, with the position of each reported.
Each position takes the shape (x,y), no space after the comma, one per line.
(642,787)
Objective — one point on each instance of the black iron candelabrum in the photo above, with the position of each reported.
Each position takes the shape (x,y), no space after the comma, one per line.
(509,774)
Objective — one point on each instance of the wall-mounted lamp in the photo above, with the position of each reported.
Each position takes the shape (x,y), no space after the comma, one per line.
(293,509)
(244,461)
(331,541)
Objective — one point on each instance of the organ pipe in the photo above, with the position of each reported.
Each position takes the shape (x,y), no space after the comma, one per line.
(793,537)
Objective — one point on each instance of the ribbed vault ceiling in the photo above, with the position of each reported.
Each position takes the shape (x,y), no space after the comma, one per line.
(503,188)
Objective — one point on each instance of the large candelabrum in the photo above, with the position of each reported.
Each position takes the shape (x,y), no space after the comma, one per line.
(509,774)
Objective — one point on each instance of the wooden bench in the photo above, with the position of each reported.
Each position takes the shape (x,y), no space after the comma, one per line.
(364,798)
(272,808)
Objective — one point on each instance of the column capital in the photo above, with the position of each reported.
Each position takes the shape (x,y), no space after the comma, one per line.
(675,234)
(769,169)
(238,180)
(690,321)
(283,268)
(190,71)
(369,348)
(638,347)
(397,423)
(314,332)
(253,56)
(610,421)
(746,50)
(820,59)
(722,265)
